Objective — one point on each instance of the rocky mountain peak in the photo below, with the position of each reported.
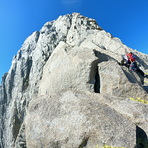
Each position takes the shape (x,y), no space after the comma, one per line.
(66,88)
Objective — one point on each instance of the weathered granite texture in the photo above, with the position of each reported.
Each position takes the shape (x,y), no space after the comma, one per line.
(65,89)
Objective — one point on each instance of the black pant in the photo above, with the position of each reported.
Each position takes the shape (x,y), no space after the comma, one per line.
(140,71)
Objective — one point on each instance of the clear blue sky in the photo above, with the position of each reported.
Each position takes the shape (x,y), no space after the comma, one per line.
(125,19)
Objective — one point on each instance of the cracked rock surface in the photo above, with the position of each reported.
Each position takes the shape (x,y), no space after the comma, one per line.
(65,89)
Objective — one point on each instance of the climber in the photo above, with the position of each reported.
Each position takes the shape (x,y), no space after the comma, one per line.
(128,59)
(134,66)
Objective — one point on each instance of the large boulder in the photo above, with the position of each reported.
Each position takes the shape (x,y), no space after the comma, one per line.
(69,68)
(119,81)
(74,119)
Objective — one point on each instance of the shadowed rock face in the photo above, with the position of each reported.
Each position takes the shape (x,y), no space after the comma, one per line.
(65,89)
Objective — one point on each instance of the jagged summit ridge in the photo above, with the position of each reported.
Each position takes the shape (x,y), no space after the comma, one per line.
(63,75)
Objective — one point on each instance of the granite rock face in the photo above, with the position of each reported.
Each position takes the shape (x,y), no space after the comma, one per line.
(75,119)
(65,89)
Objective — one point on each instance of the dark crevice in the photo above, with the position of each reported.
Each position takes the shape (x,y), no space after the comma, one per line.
(1,143)
(17,121)
(97,82)
(3,89)
(11,82)
(94,77)
(101,58)
(84,142)
(16,125)
(141,138)
(37,36)
(25,74)
(21,139)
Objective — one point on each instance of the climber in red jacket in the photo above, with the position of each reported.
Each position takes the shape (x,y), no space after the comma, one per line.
(131,57)
(128,59)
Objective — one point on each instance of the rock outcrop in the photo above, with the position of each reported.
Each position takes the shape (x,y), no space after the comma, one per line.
(65,89)
(73,119)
